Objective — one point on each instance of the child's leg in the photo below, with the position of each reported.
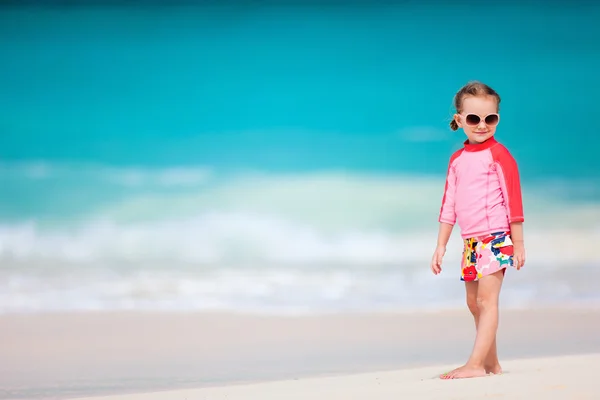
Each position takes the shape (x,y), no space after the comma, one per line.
(491,363)
(488,293)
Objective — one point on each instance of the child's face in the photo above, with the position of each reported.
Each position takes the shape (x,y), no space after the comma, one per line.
(482,106)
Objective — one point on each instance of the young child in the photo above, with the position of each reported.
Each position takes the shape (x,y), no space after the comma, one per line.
(483,195)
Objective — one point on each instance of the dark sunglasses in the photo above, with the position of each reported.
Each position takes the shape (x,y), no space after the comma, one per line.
(474,119)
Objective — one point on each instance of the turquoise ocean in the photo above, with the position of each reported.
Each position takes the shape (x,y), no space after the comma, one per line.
(283,157)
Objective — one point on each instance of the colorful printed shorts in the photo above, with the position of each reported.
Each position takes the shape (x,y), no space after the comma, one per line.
(484,255)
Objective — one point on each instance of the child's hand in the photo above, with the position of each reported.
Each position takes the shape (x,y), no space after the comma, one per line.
(436,260)
(519,254)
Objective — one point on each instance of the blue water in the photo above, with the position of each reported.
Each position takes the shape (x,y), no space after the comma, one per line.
(278,158)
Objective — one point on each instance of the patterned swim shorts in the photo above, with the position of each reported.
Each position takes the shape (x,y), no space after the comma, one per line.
(484,255)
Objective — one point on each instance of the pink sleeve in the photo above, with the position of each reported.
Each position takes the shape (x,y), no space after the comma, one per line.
(447,213)
(508,174)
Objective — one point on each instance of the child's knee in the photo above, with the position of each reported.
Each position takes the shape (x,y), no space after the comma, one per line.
(486,302)
(473,305)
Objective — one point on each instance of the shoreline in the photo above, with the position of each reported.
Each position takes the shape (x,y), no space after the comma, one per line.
(78,355)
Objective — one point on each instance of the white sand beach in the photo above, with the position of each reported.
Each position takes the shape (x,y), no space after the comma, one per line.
(545,353)
(569,377)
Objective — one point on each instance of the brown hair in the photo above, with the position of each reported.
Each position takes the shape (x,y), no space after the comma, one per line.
(472,88)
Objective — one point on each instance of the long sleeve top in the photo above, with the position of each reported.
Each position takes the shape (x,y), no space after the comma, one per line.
(483,190)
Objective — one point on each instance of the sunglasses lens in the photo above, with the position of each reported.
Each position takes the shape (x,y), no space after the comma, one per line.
(491,120)
(472,119)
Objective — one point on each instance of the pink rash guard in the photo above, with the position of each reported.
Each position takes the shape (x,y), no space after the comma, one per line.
(483,190)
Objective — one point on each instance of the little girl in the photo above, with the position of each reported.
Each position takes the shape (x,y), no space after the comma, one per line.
(483,195)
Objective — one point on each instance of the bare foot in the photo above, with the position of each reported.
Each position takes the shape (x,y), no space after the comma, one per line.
(496,369)
(464,372)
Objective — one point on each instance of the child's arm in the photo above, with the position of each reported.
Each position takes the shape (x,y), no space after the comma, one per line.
(443,236)
(447,213)
(516,234)
(510,183)
(447,217)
